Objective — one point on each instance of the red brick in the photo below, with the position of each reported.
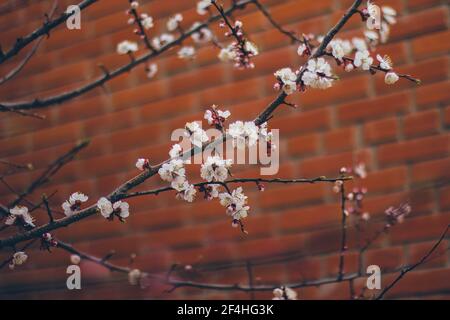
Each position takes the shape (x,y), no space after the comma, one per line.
(340,140)
(422,123)
(381,131)
(414,150)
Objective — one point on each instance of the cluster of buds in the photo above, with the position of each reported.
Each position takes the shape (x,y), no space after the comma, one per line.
(261,186)
(47,242)
(397,215)
(143,21)
(142,164)
(304,49)
(216,117)
(356,198)
(241,50)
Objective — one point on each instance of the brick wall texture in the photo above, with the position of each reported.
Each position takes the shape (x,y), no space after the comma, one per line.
(399,131)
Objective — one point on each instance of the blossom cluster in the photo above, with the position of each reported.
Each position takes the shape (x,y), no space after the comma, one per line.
(241,50)
(351,54)
(356,196)
(108,209)
(18,259)
(396,215)
(19,215)
(215,170)
(388,18)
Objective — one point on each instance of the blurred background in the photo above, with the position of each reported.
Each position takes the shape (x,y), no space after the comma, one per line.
(400,132)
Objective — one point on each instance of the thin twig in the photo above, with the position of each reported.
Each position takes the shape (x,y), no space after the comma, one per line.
(238,180)
(41,31)
(404,271)
(30,54)
(52,169)
(100,81)
(344,233)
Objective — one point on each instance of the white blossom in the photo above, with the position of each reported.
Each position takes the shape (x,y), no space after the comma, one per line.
(162,40)
(18,259)
(349,67)
(339,48)
(187,52)
(363,60)
(142,164)
(204,35)
(318,74)
(105,206)
(126,47)
(19,212)
(251,48)
(385,32)
(286,74)
(134,277)
(284,293)
(146,21)
(288,78)
(227,54)
(152,70)
(372,36)
(302,49)
(236,203)
(74,203)
(134,5)
(360,170)
(122,208)
(372,10)
(243,133)
(215,169)
(391,78)
(202,6)
(75,259)
(175,151)
(196,134)
(212,191)
(171,170)
(211,117)
(365,216)
(385,62)
(389,14)
(174,22)
(187,193)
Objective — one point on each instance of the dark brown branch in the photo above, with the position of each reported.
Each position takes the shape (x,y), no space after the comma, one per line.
(291,35)
(242,180)
(63,97)
(199,285)
(344,234)
(51,170)
(141,28)
(30,54)
(43,30)
(47,207)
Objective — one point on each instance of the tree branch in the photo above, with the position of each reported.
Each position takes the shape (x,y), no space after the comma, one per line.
(63,97)
(43,30)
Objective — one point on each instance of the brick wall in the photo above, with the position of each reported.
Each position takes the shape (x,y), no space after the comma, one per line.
(400,131)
